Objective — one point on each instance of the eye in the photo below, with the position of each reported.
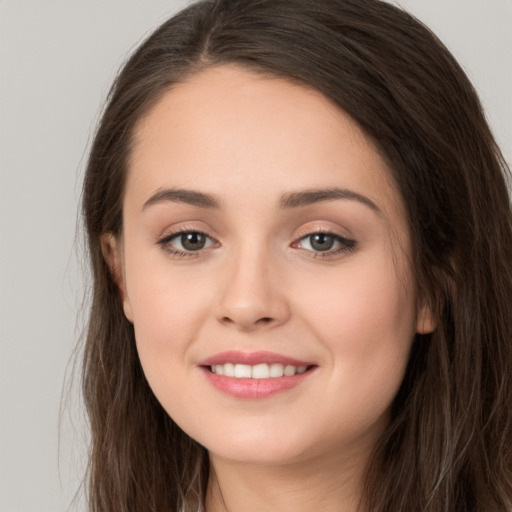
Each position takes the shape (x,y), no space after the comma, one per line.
(319,242)
(325,244)
(192,241)
(186,243)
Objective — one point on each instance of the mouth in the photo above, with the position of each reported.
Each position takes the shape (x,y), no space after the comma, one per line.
(255,375)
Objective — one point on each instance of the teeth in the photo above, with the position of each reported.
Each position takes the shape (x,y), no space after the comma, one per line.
(258,371)
(289,370)
(229,369)
(276,370)
(261,371)
(243,371)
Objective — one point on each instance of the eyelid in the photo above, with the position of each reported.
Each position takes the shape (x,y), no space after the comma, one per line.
(323,226)
(335,235)
(164,241)
(348,244)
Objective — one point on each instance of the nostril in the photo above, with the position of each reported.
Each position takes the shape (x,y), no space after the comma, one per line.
(247,322)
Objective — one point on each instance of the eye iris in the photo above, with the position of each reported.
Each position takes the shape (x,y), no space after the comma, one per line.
(321,242)
(193,241)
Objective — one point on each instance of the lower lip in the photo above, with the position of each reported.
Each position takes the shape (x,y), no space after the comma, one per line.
(254,388)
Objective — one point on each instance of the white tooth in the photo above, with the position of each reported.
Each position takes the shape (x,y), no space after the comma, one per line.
(260,371)
(276,370)
(219,369)
(229,370)
(289,370)
(212,368)
(243,371)
(302,369)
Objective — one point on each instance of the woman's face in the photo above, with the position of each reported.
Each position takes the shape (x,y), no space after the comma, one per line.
(265,267)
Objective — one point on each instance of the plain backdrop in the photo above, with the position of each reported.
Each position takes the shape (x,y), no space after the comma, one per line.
(57,59)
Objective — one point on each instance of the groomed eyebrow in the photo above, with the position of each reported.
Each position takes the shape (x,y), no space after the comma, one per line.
(180,195)
(288,201)
(313,196)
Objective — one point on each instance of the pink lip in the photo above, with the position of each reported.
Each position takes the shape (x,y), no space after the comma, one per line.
(252,358)
(253,388)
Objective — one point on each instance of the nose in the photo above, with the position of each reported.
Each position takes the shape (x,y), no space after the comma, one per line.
(252,295)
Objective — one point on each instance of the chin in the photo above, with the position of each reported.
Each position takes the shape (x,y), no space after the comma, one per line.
(261,454)
(262,446)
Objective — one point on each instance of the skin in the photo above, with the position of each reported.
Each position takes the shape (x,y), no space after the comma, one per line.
(258,284)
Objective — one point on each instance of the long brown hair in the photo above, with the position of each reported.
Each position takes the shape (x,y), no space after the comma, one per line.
(448,446)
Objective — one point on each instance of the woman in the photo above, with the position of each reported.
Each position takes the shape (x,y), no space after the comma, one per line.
(300,235)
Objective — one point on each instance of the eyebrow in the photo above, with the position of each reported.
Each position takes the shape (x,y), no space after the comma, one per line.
(180,195)
(309,197)
(288,201)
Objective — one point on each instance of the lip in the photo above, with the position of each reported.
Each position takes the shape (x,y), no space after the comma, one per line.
(254,388)
(252,358)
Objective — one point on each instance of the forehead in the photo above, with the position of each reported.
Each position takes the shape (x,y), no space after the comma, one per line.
(228,127)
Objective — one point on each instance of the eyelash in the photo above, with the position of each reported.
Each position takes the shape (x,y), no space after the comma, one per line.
(346,245)
(165,243)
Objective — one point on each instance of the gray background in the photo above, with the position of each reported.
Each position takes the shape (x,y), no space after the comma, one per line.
(57,59)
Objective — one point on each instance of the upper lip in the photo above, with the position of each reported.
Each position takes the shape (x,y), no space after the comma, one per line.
(252,358)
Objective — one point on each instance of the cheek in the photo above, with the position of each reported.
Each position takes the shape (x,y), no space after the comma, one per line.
(366,320)
(367,300)
(168,309)
(166,321)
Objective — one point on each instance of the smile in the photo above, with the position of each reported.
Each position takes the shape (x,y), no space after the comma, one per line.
(255,375)
(258,371)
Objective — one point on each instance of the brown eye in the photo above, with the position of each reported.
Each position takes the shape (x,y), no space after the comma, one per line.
(193,241)
(186,243)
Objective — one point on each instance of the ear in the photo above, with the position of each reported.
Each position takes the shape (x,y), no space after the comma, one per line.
(112,252)
(425,321)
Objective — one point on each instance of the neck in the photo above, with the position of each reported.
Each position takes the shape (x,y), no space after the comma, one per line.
(324,483)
